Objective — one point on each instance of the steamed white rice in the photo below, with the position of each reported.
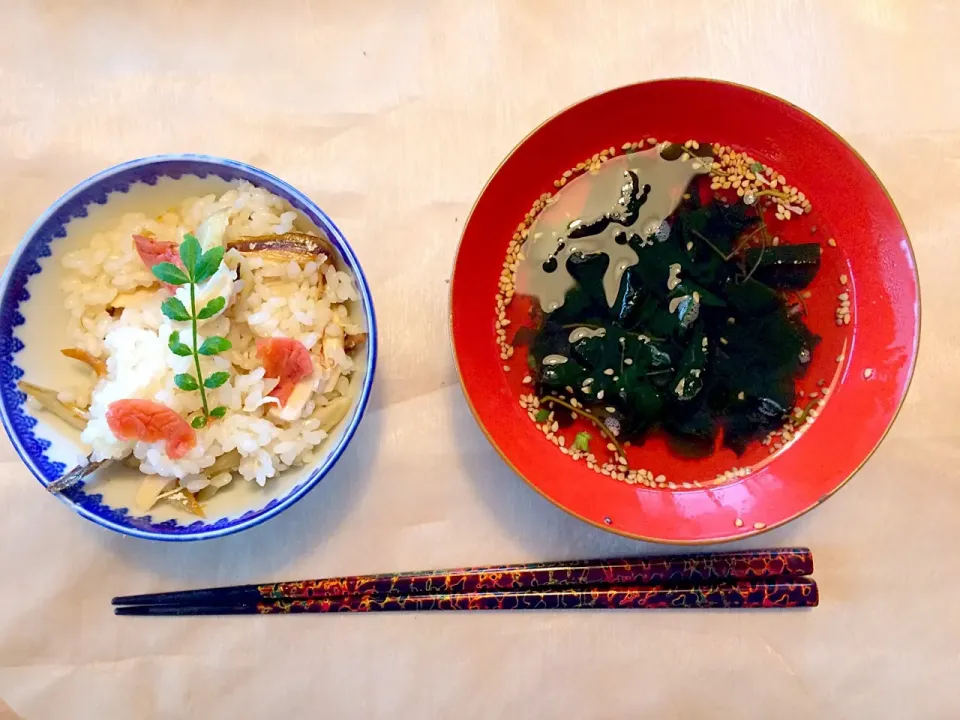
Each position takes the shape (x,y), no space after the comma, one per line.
(309,301)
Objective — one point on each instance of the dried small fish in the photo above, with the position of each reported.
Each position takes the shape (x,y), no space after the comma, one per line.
(289,246)
(353,341)
(96,364)
(77,474)
(71,414)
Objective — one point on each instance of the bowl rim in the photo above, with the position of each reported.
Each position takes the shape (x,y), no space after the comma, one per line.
(366,300)
(742,533)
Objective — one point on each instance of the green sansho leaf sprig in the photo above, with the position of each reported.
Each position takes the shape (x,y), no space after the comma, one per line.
(198,267)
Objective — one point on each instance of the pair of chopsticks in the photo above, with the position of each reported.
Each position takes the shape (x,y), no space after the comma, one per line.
(776,578)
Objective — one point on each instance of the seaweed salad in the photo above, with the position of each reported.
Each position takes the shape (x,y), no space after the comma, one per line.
(663,306)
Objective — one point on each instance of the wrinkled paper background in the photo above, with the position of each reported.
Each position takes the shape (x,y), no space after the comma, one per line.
(392,115)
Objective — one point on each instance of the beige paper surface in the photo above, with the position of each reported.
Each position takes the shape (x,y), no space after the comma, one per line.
(392,115)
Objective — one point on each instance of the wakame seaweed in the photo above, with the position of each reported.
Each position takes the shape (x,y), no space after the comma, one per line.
(717,352)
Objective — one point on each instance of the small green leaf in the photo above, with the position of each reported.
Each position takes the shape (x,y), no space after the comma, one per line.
(174,309)
(542,415)
(213,345)
(198,422)
(186,381)
(212,308)
(177,347)
(218,412)
(189,254)
(216,380)
(582,441)
(757,167)
(170,274)
(208,264)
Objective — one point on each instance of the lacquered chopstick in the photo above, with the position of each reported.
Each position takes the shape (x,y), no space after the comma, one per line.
(653,570)
(786,593)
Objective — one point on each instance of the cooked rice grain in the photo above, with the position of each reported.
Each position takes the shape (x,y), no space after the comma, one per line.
(310,302)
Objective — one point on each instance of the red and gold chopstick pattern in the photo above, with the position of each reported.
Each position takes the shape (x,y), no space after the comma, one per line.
(800,592)
(746,565)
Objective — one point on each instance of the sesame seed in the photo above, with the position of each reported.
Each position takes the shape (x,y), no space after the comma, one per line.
(527,379)
(759,525)
(738,522)
(627,361)
(831,242)
(610,409)
(608,371)
(843,279)
(867,374)
(600,395)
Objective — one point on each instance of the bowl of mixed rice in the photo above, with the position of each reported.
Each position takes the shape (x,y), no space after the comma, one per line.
(188,345)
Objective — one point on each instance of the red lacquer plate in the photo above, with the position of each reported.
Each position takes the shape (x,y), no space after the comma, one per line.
(865,366)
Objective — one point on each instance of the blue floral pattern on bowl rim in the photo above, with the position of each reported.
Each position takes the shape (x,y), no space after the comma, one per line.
(25,263)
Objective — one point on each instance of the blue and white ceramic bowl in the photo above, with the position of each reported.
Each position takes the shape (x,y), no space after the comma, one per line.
(32,319)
